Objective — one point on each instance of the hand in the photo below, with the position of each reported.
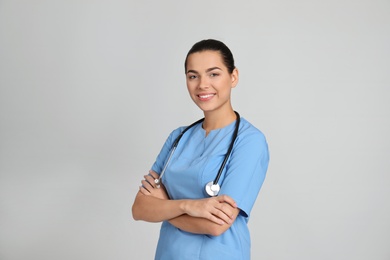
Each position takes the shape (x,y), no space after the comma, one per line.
(218,209)
(149,187)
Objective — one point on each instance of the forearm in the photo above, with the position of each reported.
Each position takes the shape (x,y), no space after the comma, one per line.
(198,225)
(153,205)
(152,209)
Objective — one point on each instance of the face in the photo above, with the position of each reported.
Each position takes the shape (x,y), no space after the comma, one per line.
(209,82)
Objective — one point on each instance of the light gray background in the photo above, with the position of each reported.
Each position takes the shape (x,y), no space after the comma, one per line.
(91,89)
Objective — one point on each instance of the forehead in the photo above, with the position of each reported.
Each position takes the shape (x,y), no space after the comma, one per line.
(204,60)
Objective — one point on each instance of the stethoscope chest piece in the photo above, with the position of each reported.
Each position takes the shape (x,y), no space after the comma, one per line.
(212,189)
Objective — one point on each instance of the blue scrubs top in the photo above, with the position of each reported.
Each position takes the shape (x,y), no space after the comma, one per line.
(196,162)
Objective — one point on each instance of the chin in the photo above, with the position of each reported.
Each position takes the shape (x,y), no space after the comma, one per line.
(205,108)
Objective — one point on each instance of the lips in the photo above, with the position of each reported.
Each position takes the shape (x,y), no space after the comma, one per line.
(205,97)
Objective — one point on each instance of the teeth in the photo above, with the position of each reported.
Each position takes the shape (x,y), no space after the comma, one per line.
(206,96)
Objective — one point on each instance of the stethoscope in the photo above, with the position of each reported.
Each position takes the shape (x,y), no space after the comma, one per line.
(212,188)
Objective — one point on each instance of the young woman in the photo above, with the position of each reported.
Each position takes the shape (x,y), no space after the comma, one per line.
(195,225)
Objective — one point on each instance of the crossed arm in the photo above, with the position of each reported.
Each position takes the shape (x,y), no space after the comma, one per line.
(211,216)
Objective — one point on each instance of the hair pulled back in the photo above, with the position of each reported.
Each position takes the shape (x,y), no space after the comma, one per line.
(213,45)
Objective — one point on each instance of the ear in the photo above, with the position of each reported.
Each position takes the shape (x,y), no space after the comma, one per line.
(234,77)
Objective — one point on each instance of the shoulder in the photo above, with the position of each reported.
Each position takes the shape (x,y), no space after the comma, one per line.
(249,132)
(194,127)
(251,141)
(175,133)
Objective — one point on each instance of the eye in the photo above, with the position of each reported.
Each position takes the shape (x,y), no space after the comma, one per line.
(192,77)
(214,74)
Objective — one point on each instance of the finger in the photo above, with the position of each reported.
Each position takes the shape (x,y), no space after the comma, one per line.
(227,199)
(227,209)
(150,177)
(216,220)
(217,212)
(147,185)
(144,191)
(150,180)
(153,174)
(223,215)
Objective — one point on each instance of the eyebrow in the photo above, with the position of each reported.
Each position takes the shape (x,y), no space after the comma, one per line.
(208,70)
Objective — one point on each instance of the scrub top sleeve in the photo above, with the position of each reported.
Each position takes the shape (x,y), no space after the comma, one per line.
(163,155)
(246,170)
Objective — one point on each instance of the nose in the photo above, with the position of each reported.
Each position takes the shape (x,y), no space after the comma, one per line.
(204,83)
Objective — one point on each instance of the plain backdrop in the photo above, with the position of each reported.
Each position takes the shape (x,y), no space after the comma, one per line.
(90,90)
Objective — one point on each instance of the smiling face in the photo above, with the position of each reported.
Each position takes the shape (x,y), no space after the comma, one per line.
(209,82)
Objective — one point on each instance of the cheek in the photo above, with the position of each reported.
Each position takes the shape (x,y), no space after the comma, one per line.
(229,83)
(191,86)
(225,85)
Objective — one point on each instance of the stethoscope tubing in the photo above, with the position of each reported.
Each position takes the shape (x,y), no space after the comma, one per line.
(229,150)
(176,142)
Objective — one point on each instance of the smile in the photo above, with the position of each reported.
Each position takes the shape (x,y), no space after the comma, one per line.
(206,96)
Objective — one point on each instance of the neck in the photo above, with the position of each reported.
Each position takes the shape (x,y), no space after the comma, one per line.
(218,119)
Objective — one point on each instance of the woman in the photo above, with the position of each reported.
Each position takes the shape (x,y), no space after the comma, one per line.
(195,225)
